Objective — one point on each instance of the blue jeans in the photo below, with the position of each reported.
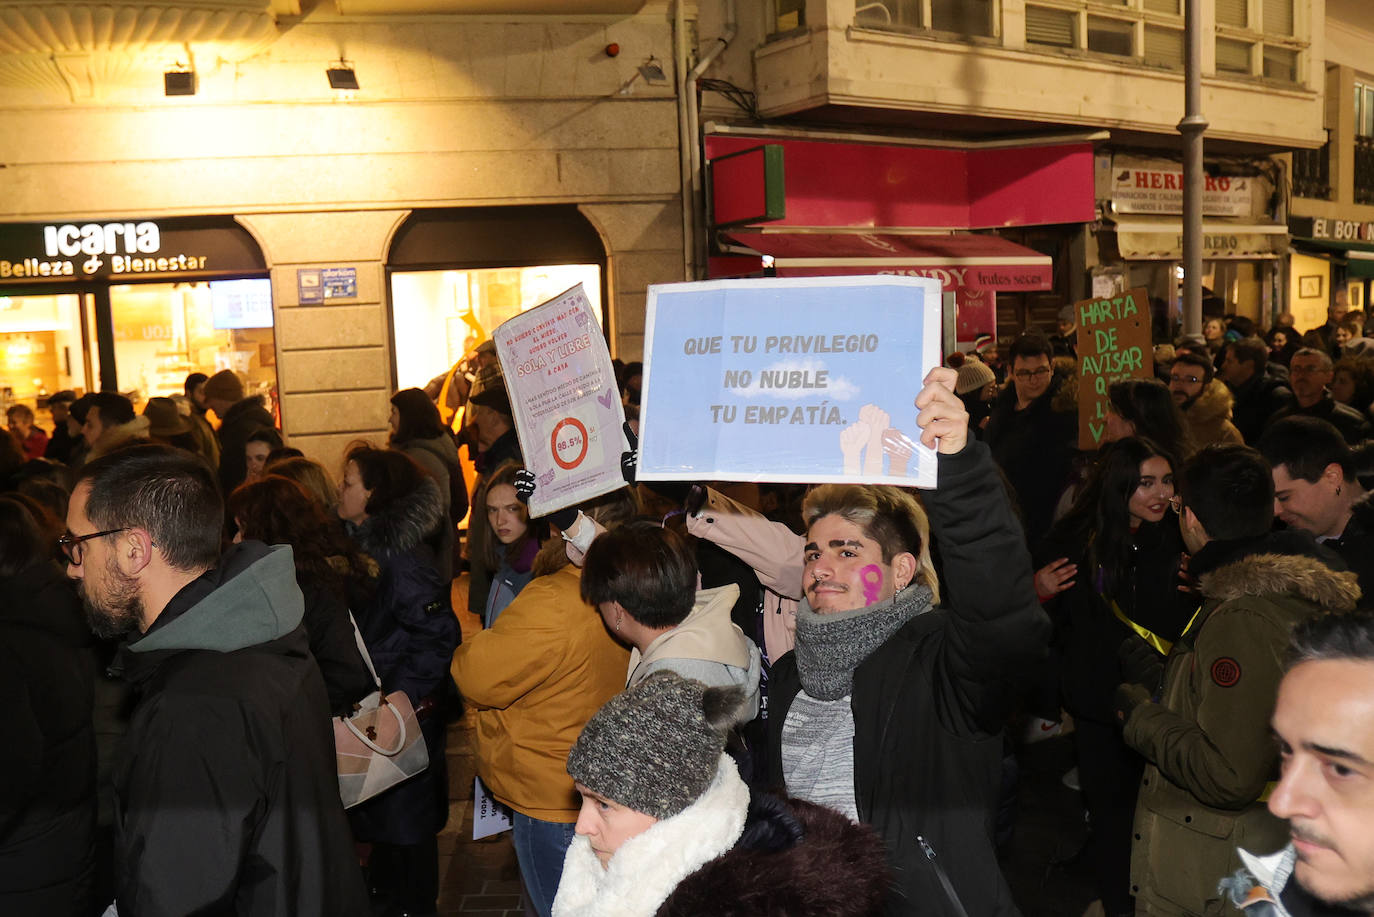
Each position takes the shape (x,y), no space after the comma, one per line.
(539,848)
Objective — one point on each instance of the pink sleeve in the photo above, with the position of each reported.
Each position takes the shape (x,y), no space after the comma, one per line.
(772,549)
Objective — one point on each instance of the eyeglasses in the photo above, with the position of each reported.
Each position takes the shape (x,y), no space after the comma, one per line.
(1024,374)
(71,544)
(1191,380)
(1176,504)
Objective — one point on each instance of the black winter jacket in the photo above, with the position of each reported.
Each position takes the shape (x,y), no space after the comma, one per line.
(794,859)
(1035,449)
(47,771)
(226,791)
(929,703)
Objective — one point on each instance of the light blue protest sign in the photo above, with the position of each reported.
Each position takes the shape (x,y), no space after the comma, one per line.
(805,379)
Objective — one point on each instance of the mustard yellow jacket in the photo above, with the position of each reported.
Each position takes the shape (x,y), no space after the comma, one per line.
(532,681)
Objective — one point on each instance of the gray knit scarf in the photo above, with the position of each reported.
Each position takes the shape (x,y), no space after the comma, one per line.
(831,646)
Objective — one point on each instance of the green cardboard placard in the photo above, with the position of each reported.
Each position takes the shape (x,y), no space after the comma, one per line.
(1113,344)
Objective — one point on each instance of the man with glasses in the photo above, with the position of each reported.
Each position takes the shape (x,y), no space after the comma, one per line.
(226,791)
(1031,437)
(1200,716)
(1204,401)
(1309,375)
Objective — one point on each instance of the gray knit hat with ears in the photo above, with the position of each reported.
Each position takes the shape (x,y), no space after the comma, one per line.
(655,748)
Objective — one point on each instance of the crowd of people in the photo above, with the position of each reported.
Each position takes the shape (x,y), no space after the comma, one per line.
(724,699)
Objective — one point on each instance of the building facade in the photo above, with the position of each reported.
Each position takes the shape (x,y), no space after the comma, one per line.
(331,244)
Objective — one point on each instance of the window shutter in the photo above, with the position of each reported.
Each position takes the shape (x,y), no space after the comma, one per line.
(1162,6)
(1232,12)
(1278,17)
(1164,47)
(1232,56)
(1045,26)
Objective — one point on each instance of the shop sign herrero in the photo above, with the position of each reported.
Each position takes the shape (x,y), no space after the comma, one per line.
(125,249)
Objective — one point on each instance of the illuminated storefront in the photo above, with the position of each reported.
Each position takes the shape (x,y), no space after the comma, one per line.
(132,306)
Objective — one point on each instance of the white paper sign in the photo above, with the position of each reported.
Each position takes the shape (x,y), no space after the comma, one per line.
(803,379)
(488,816)
(562,389)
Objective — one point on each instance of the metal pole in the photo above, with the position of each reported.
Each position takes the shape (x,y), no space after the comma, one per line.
(1192,127)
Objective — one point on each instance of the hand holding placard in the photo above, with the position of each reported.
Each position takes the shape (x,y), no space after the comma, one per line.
(943,419)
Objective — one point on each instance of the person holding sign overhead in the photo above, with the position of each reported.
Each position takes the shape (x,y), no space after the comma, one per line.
(890,708)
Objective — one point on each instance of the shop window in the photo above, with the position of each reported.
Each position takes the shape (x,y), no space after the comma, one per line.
(961,17)
(438,316)
(42,350)
(165,331)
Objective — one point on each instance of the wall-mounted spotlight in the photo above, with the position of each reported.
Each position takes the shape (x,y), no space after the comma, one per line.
(652,71)
(179,81)
(341,75)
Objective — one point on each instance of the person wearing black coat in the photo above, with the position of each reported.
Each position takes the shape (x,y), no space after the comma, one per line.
(924,687)
(239,417)
(1258,395)
(1033,441)
(226,789)
(47,772)
(391,509)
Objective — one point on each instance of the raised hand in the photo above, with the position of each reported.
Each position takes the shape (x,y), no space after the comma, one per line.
(853,438)
(899,449)
(628,460)
(942,418)
(877,420)
(524,485)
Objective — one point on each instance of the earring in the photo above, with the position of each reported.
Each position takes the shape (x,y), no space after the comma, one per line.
(618,619)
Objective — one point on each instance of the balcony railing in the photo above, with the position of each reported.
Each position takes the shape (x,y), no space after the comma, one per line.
(1312,173)
(1364,170)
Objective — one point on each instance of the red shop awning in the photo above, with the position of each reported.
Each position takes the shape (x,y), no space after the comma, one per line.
(960,261)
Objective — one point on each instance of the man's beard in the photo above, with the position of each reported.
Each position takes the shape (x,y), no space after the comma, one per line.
(117,613)
(1360,902)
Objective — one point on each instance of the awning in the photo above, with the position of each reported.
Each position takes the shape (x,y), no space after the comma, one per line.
(1360,264)
(960,261)
(1161,239)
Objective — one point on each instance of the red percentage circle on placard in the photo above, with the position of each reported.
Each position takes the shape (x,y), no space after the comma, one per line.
(553,442)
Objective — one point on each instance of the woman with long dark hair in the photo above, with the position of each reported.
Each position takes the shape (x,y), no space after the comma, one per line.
(391,508)
(1115,574)
(1145,408)
(330,571)
(508,538)
(417,430)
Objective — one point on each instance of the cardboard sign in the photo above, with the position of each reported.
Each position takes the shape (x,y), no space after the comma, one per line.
(806,379)
(1113,344)
(568,414)
(488,816)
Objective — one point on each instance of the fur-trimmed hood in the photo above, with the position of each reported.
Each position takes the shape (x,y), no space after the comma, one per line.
(403,524)
(1212,405)
(118,435)
(1273,570)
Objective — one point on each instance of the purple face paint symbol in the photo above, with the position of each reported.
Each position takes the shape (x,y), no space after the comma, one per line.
(872,578)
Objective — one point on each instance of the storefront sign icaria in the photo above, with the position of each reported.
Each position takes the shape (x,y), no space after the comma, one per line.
(125,250)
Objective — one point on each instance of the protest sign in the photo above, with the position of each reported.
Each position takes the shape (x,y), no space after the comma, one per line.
(567,408)
(488,816)
(1113,343)
(806,379)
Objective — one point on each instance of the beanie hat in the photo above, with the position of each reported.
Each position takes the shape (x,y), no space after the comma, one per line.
(982,342)
(224,386)
(655,748)
(164,419)
(973,375)
(1066,314)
